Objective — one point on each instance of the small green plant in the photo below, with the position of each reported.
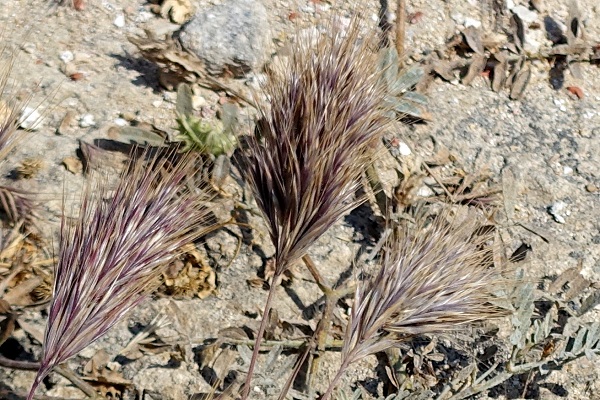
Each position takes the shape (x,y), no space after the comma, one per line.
(214,137)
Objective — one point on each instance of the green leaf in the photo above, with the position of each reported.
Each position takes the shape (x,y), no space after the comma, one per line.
(131,134)
(184,104)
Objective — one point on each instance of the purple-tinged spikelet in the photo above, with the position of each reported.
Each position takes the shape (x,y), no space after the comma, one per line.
(110,260)
(325,119)
(434,277)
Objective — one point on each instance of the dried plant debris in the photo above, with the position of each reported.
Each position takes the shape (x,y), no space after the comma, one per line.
(176,66)
(26,281)
(17,205)
(189,276)
(178,11)
(105,376)
(506,60)
(29,167)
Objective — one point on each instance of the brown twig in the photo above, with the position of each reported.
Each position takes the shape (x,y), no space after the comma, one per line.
(400,28)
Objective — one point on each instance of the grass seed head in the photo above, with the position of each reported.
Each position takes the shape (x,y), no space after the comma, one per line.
(110,259)
(325,119)
(434,277)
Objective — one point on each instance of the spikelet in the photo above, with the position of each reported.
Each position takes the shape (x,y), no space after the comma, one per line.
(325,119)
(110,260)
(434,277)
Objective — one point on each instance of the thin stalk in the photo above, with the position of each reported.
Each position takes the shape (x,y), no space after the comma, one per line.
(336,379)
(261,331)
(400,28)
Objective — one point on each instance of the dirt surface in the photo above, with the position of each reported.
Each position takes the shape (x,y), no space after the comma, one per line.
(543,150)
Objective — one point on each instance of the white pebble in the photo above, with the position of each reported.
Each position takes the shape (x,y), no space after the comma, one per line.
(458,18)
(119,22)
(556,210)
(404,149)
(425,191)
(567,170)
(525,14)
(86,121)
(157,103)
(198,102)
(66,56)
(120,122)
(30,119)
(475,23)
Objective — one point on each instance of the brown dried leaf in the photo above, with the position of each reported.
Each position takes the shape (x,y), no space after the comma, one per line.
(520,83)
(445,70)
(473,39)
(517,28)
(475,69)
(73,165)
(257,283)
(20,294)
(500,70)
(576,287)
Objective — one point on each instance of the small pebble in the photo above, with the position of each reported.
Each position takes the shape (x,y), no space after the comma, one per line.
(30,119)
(475,23)
(590,187)
(425,191)
(567,170)
(404,149)
(120,122)
(157,103)
(557,210)
(66,56)
(86,121)
(119,22)
(29,47)
(525,14)
(198,102)
(128,116)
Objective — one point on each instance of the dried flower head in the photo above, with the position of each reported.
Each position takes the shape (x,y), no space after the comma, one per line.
(10,107)
(434,277)
(17,205)
(325,119)
(111,258)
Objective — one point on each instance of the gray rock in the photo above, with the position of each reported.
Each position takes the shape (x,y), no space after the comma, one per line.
(233,36)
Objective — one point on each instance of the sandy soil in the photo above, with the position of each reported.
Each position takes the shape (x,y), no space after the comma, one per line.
(544,149)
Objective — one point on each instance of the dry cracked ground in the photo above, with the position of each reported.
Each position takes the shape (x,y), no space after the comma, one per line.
(541,148)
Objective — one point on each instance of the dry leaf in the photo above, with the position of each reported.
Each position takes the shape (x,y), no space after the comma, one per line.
(520,84)
(29,167)
(518,31)
(179,11)
(473,39)
(477,65)
(73,165)
(190,276)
